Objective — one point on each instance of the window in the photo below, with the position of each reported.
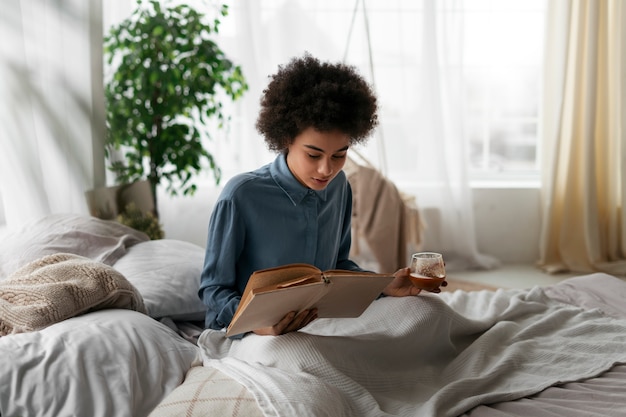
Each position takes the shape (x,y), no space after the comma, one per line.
(504,53)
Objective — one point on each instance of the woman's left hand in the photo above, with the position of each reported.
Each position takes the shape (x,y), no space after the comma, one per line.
(401,286)
(292,322)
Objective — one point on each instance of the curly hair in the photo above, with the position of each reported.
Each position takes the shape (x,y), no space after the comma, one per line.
(308,93)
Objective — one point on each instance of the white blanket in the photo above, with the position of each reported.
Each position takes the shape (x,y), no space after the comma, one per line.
(428,355)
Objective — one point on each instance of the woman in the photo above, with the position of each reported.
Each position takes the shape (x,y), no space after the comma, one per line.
(296,209)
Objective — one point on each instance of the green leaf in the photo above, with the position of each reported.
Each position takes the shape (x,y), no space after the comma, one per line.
(158,31)
(168,75)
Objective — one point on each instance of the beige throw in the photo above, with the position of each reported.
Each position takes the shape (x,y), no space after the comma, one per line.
(385,218)
(57,287)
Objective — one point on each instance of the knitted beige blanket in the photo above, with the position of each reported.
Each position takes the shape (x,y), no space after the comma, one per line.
(57,287)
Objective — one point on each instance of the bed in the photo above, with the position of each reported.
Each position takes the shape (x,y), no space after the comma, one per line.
(137,348)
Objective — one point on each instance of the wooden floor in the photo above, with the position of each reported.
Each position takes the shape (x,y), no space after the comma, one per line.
(457,284)
(506,276)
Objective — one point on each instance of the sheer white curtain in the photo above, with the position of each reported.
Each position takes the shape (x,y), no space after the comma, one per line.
(412,52)
(442,164)
(51,96)
(50,112)
(51,126)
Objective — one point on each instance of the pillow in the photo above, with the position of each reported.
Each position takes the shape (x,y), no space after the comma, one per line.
(100,240)
(166,273)
(208,392)
(105,363)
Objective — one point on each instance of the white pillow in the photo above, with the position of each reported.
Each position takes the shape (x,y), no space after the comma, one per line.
(100,240)
(166,273)
(106,363)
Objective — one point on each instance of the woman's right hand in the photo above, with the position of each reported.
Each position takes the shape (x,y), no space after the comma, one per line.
(290,323)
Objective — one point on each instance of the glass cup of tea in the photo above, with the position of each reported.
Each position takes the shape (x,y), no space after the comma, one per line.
(428,270)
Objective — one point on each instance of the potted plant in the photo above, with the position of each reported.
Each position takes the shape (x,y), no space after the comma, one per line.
(169,78)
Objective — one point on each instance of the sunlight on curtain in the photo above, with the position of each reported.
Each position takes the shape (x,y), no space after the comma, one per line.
(438,126)
(410,51)
(46,121)
(584,208)
(421,114)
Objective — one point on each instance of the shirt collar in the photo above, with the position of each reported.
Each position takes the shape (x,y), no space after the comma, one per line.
(288,182)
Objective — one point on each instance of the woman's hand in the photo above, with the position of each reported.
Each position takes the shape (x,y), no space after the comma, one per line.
(290,323)
(402,286)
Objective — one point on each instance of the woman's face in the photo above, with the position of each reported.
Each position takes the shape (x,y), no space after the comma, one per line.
(315,158)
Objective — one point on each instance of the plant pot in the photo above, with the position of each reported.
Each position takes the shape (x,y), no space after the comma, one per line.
(107,202)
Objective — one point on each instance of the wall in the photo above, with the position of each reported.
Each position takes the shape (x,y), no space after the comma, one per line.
(508,223)
(507,220)
(187,217)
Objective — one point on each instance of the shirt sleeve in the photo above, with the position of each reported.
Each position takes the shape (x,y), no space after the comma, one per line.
(343,260)
(218,282)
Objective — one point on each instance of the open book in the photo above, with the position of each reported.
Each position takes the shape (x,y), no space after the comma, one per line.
(272,293)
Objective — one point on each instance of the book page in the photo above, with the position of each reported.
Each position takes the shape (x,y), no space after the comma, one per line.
(272,277)
(351,294)
(281,274)
(268,308)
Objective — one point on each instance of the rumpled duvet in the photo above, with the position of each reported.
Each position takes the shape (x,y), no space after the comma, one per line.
(431,355)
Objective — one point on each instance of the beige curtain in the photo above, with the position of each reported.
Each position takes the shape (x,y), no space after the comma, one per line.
(584,118)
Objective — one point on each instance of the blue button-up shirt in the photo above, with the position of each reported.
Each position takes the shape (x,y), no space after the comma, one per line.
(264,219)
